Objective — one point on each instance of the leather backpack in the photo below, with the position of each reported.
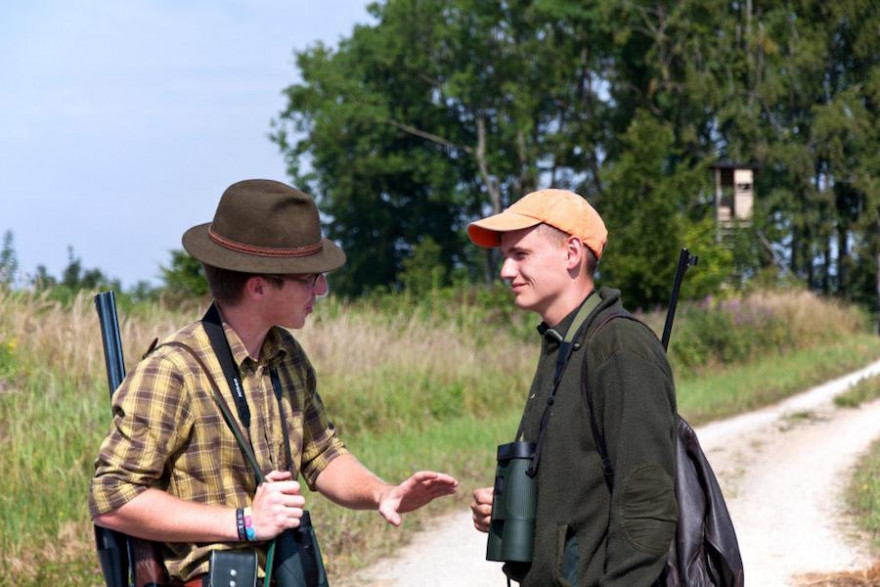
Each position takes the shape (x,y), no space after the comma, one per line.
(705,551)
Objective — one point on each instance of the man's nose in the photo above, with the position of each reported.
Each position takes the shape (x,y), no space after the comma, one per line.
(508,269)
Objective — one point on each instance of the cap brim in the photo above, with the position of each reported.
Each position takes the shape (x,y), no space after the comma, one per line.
(198,244)
(486,233)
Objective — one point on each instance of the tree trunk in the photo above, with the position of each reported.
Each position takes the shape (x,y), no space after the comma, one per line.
(491,184)
(842,262)
(826,277)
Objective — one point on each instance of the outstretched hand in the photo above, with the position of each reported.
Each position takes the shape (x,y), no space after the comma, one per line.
(417,491)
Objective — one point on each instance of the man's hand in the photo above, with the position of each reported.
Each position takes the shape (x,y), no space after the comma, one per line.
(277,506)
(415,492)
(481,507)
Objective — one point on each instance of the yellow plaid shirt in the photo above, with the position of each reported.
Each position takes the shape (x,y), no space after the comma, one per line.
(169,433)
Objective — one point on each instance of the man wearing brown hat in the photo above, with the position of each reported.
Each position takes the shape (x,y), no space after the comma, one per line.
(611,375)
(172,469)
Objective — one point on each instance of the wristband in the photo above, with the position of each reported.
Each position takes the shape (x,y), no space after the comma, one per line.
(249,525)
(239,523)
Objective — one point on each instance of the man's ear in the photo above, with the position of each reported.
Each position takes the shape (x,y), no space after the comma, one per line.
(574,252)
(255,287)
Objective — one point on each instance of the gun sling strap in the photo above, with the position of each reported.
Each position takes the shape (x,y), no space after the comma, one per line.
(566,347)
(214,329)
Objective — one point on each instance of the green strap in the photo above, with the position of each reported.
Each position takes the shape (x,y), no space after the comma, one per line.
(239,437)
(592,302)
(566,347)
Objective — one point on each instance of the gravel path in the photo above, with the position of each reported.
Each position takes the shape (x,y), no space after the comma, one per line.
(781,468)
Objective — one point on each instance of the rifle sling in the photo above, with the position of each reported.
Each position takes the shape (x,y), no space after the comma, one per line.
(220,345)
(566,347)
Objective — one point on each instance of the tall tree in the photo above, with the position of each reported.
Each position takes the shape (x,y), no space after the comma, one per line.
(445,110)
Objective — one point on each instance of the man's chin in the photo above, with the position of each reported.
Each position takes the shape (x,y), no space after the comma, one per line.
(293,324)
(521,303)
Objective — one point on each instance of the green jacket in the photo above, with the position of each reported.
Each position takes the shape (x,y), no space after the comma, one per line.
(584,536)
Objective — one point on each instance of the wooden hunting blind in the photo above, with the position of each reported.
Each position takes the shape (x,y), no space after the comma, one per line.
(734,193)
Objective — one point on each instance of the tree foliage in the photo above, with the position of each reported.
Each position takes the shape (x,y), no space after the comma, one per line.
(444,110)
(8,260)
(185,278)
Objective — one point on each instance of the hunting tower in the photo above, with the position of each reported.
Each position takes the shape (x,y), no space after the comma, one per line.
(734,193)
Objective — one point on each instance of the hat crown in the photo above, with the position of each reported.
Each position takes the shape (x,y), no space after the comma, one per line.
(264,226)
(268,214)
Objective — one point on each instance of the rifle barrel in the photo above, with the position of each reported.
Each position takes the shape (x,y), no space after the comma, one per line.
(685,260)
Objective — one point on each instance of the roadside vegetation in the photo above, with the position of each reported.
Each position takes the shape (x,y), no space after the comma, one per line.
(435,381)
(863,491)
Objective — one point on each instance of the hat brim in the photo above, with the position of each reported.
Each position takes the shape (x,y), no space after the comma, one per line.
(486,233)
(198,244)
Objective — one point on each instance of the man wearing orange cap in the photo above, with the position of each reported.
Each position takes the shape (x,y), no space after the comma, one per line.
(611,375)
(174,468)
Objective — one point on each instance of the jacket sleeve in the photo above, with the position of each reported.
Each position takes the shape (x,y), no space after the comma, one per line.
(635,402)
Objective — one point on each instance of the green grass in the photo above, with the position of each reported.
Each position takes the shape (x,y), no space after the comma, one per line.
(409,390)
(464,447)
(864,391)
(863,493)
(863,490)
(740,388)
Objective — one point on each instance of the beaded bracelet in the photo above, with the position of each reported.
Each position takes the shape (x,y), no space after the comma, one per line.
(240,525)
(249,525)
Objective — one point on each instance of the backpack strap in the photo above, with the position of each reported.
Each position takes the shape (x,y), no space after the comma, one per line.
(598,437)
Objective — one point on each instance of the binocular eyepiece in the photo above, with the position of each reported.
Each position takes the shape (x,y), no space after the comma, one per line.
(512,527)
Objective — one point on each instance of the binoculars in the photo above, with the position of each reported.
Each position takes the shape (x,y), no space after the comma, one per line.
(512,527)
(298,560)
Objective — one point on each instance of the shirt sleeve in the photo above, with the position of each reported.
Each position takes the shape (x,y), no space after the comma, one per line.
(150,417)
(321,443)
(638,418)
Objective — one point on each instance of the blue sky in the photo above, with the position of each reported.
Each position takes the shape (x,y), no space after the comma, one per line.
(122,122)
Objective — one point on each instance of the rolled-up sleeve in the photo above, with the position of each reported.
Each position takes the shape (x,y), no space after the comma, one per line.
(321,444)
(150,416)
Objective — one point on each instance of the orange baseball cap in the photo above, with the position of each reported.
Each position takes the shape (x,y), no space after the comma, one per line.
(561,209)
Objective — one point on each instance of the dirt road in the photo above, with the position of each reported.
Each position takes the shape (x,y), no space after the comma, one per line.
(782,470)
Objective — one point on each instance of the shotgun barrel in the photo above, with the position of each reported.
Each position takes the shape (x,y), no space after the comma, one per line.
(112,546)
(105,302)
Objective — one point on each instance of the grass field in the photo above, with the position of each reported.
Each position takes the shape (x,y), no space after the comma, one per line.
(411,385)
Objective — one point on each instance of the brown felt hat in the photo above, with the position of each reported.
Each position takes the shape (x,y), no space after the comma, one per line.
(264,226)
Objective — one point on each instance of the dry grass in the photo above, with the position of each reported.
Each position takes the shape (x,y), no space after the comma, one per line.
(811,319)
(57,377)
(386,377)
(357,342)
(864,578)
(67,338)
